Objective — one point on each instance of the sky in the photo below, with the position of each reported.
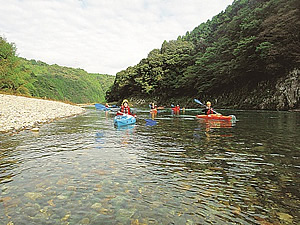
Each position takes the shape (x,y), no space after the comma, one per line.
(99,36)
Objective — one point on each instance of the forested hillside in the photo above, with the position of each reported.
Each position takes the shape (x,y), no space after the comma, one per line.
(38,79)
(236,59)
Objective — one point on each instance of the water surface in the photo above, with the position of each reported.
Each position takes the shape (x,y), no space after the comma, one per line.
(178,170)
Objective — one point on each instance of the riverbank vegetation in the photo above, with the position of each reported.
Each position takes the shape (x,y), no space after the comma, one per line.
(38,79)
(245,50)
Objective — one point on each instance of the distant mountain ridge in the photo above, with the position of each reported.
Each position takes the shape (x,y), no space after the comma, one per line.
(38,79)
(65,83)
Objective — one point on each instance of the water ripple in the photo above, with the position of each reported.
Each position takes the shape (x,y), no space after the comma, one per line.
(177,172)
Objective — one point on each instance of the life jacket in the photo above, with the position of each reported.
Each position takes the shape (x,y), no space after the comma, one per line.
(125,110)
(209,111)
(176,108)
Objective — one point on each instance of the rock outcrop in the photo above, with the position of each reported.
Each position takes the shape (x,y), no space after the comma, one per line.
(286,93)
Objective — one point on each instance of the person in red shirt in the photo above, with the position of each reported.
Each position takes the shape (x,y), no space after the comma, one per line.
(208,109)
(125,109)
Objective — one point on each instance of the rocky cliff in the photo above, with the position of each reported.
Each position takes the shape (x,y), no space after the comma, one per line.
(278,94)
(287,92)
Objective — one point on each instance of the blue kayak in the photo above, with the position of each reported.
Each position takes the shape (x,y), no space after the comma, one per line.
(122,120)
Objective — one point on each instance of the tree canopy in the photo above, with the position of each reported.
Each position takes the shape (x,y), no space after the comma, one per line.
(251,41)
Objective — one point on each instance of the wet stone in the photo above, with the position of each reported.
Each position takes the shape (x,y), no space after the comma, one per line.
(85,221)
(33,195)
(96,206)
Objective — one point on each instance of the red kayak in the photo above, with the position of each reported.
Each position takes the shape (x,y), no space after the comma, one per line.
(217,117)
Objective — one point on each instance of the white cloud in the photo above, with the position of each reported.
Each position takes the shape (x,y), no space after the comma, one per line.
(103,36)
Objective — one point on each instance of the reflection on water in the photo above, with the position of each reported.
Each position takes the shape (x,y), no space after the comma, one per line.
(83,170)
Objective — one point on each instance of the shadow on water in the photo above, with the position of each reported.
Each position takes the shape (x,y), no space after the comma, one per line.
(177,170)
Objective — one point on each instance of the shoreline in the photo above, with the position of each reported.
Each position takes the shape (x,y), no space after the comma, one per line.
(19,113)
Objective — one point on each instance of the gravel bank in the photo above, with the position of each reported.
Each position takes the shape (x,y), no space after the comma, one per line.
(17,112)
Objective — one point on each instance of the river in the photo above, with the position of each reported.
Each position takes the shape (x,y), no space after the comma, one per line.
(176,170)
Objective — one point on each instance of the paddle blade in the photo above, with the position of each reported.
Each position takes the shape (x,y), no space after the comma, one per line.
(99,106)
(197,101)
(150,122)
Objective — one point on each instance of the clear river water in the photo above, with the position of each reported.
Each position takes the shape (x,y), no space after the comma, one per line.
(176,170)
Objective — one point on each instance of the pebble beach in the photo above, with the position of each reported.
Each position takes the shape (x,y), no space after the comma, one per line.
(18,113)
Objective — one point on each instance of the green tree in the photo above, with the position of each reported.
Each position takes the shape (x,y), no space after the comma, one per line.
(12,77)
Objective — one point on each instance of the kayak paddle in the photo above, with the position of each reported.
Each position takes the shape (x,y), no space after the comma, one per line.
(101,107)
(150,122)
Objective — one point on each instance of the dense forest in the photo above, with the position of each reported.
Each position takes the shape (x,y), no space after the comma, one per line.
(238,58)
(38,79)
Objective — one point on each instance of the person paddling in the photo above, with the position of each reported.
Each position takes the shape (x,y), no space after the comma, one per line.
(208,110)
(125,109)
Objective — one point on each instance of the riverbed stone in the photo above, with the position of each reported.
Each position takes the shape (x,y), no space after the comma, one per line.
(96,206)
(33,195)
(285,217)
(85,221)
(62,197)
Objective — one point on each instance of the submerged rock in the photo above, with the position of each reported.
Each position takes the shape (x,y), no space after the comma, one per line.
(96,206)
(33,195)
(84,221)
(62,197)
(285,217)
(62,181)
(66,217)
(50,202)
